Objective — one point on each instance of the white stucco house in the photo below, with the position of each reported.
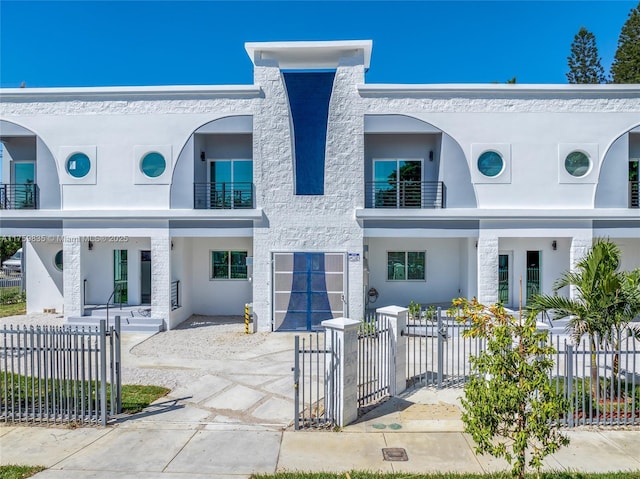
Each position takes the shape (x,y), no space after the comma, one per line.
(310,193)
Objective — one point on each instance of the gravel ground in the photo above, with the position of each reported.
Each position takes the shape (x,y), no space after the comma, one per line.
(34,319)
(198,338)
(202,337)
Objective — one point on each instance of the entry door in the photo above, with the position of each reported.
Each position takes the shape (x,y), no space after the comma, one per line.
(308,288)
(120,275)
(533,274)
(24,179)
(504,274)
(145,277)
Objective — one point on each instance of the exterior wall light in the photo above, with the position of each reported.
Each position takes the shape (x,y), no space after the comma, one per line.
(554,245)
(90,245)
(202,155)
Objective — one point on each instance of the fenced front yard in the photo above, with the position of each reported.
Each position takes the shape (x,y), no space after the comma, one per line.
(394,352)
(60,374)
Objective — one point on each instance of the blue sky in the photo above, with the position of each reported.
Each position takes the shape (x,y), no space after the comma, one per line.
(105,43)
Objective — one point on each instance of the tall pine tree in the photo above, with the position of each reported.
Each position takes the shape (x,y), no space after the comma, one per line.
(584,62)
(626,64)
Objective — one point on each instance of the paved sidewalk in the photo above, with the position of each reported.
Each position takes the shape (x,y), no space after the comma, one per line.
(232,420)
(187,450)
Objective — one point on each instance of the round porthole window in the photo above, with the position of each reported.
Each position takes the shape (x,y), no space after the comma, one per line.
(577,164)
(78,165)
(153,164)
(490,163)
(57,260)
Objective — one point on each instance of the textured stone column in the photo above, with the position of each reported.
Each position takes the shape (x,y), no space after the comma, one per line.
(397,317)
(342,339)
(161,278)
(72,276)
(488,247)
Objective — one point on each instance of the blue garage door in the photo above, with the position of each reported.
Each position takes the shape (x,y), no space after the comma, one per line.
(308,288)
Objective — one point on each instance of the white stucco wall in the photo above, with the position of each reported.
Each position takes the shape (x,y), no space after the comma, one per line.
(444,281)
(630,253)
(44,282)
(216,297)
(534,126)
(182,270)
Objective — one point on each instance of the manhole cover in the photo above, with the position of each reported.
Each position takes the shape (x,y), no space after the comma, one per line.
(394,454)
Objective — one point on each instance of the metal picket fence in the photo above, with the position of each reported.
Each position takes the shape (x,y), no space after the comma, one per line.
(374,353)
(601,383)
(315,385)
(438,355)
(437,351)
(60,374)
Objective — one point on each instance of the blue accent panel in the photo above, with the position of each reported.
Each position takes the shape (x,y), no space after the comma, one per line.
(309,94)
(309,302)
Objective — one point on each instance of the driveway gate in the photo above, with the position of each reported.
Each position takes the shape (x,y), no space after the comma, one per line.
(307,289)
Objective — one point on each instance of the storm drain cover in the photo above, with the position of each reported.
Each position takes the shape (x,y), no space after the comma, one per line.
(394,454)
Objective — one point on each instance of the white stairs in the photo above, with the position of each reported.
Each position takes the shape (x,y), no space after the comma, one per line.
(132,318)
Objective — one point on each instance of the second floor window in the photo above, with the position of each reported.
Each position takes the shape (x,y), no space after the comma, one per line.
(397,183)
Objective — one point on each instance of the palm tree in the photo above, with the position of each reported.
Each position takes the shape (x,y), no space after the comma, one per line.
(605,300)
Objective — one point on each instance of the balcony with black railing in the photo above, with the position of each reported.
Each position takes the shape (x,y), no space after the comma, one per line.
(405,194)
(19,196)
(634,194)
(223,196)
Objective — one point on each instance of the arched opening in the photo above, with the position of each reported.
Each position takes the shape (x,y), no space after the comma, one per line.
(405,160)
(619,173)
(29,173)
(214,170)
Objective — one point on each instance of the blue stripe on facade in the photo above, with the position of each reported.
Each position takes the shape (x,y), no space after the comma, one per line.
(309,94)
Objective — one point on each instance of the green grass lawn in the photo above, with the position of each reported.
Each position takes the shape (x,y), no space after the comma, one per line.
(19,472)
(13,310)
(496,475)
(135,397)
(12,302)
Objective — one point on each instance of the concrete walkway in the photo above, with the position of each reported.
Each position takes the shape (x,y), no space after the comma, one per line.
(171,450)
(232,420)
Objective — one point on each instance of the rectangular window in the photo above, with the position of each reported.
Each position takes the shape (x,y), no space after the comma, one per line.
(397,183)
(228,265)
(406,265)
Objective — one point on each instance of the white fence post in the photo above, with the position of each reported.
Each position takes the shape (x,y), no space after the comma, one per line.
(342,340)
(397,317)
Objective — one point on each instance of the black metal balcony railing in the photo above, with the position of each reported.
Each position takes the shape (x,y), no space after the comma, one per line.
(405,194)
(175,295)
(16,197)
(634,194)
(222,196)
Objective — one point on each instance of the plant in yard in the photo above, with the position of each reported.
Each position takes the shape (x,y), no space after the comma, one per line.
(511,408)
(604,303)
(415,311)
